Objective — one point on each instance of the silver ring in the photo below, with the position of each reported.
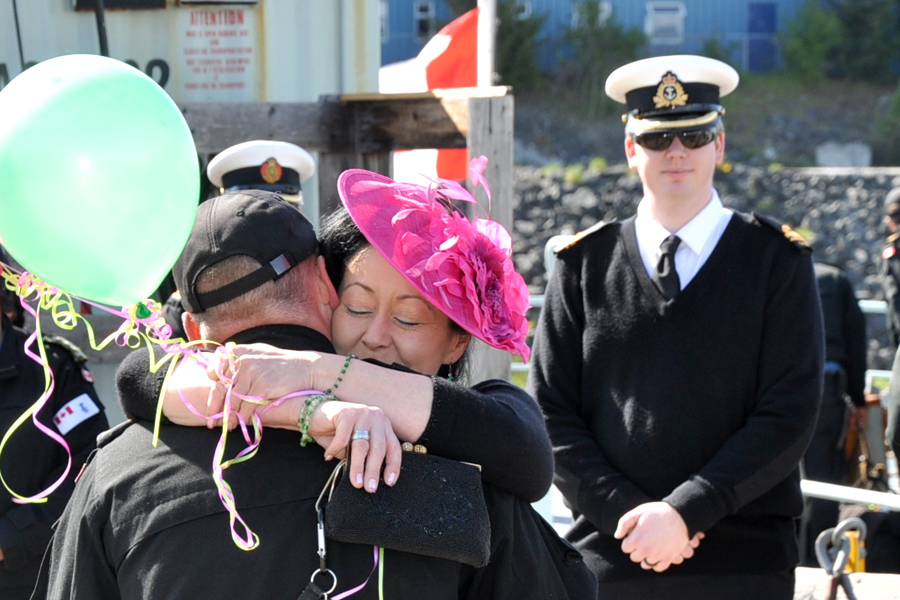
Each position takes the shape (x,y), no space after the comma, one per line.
(312,578)
(650,564)
(361,434)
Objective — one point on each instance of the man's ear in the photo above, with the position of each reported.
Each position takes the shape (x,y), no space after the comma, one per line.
(720,147)
(629,151)
(191,329)
(326,287)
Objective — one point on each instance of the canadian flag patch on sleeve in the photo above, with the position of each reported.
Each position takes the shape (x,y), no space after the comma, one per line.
(74,412)
(888,252)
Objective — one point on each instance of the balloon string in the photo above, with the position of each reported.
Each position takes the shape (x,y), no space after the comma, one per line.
(381,574)
(33,410)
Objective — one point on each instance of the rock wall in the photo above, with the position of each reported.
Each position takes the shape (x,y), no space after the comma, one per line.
(840,210)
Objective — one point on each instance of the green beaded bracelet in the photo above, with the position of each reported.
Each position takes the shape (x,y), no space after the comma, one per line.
(341,376)
(306,413)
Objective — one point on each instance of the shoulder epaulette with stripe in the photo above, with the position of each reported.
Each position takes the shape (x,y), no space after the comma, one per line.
(76,352)
(581,235)
(785,230)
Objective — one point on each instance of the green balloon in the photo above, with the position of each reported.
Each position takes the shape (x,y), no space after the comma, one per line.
(100,178)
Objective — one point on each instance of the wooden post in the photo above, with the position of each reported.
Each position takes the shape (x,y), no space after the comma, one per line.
(332,164)
(491,134)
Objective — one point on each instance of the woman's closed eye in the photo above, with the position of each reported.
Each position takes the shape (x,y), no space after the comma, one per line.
(357,312)
(406,322)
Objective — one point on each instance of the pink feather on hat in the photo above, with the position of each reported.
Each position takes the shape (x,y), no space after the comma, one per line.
(463,267)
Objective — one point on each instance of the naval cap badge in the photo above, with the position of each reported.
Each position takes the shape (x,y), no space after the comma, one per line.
(670,93)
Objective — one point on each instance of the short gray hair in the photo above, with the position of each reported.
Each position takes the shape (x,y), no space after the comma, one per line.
(289,294)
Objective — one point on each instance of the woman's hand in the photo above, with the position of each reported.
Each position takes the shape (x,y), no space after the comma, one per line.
(333,425)
(260,371)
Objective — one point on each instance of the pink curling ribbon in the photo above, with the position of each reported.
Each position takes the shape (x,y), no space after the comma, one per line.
(349,593)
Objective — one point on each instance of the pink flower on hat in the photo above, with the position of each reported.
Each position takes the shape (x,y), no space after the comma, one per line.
(463,267)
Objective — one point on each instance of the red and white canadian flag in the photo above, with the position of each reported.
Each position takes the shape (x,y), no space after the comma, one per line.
(448,60)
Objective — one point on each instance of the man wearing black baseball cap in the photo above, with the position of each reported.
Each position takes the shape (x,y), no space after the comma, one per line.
(678,360)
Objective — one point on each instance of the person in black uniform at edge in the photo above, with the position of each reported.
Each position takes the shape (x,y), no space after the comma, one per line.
(101,551)
(678,361)
(890,263)
(32,461)
(271,165)
(883,537)
(843,398)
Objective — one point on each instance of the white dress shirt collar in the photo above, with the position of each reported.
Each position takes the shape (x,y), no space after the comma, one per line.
(698,237)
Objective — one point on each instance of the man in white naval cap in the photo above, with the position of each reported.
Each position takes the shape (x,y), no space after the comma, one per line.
(269,165)
(678,361)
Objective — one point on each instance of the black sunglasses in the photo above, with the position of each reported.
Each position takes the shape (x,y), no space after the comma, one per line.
(660,140)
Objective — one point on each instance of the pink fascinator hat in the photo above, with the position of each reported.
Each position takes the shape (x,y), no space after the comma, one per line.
(463,267)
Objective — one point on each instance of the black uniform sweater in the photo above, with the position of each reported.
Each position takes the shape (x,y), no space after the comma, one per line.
(706,401)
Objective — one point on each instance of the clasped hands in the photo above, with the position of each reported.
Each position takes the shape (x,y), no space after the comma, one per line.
(654,535)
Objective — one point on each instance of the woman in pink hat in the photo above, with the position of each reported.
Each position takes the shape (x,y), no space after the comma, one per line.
(416,279)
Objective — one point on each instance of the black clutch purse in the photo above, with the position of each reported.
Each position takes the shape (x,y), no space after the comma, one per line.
(436,508)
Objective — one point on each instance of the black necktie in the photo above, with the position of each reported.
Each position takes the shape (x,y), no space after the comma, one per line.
(665,276)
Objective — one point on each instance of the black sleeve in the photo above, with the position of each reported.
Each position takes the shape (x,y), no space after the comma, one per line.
(137,388)
(26,529)
(498,426)
(76,566)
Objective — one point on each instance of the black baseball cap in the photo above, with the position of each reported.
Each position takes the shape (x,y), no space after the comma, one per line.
(255,223)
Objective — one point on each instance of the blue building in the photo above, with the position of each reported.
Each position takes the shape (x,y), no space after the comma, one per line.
(748,30)
(406,25)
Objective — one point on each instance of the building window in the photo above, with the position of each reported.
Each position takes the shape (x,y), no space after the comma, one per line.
(664,23)
(581,12)
(424,20)
(523,9)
